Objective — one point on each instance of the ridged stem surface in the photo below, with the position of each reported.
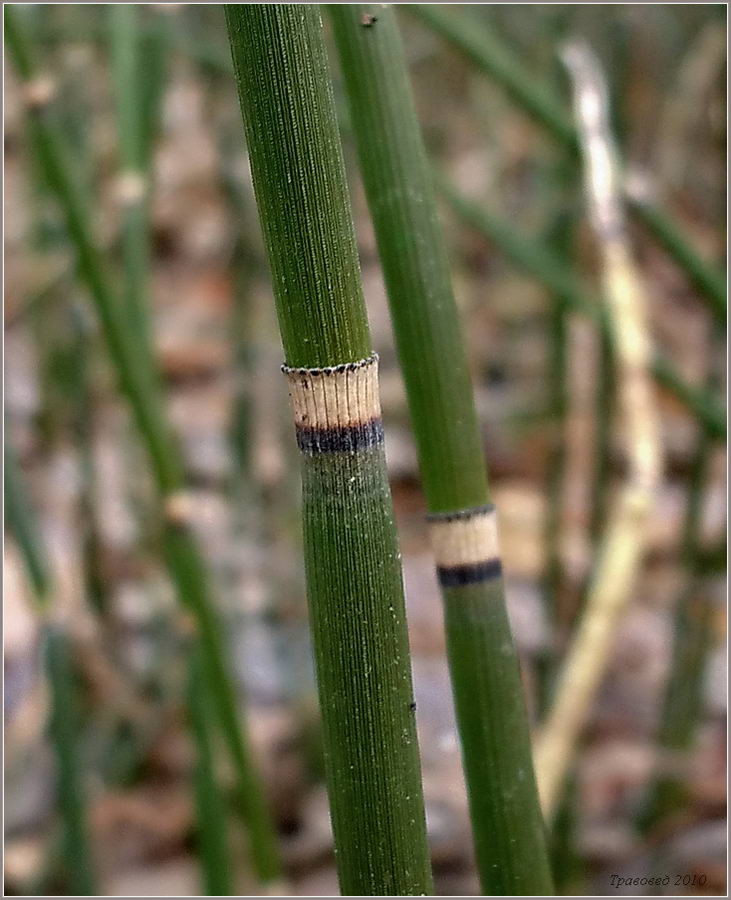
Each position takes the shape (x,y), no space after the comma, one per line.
(352,563)
(138,380)
(506,819)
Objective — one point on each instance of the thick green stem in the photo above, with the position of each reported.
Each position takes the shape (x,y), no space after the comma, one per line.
(139,382)
(486,52)
(549,271)
(352,565)
(506,818)
(63,728)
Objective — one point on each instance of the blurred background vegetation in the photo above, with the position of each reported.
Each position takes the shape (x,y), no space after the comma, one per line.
(647,792)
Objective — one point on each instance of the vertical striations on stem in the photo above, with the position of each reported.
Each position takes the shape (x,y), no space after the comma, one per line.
(493,724)
(352,562)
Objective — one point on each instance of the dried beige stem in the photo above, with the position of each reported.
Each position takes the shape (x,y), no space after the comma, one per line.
(624,543)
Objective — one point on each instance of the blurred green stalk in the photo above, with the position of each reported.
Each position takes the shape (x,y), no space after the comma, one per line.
(21,523)
(138,379)
(352,563)
(682,705)
(549,270)
(709,282)
(75,853)
(81,382)
(506,818)
(558,405)
(211,810)
(487,53)
(64,731)
(534,258)
(137,69)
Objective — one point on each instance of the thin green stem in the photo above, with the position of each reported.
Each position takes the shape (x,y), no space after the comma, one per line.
(549,271)
(83,436)
(553,577)
(136,90)
(74,851)
(21,522)
(487,53)
(139,382)
(506,818)
(210,808)
(706,279)
(244,264)
(683,701)
(126,61)
(484,49)
(63,726)
(607,379)
(352,565)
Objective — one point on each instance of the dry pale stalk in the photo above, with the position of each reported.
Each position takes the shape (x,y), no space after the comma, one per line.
(623,546)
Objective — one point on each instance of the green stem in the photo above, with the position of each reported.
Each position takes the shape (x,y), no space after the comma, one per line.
(210,808)
(683,701)
(553,578)
(134,89)
(21,522)
(139,382)
(607,379)
(506,819)
(244,265)
(63,727)
(485,51)
(354,584)
(548,269)
(706,279)
(83,435)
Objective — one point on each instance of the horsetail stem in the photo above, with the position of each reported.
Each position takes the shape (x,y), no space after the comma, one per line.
(621,554)
(21,522)
(709,282)
(543,265)
(488,54)
(555,483)
(506,819)
(63,727)
(682,704)
(211,828)
(138,380)
(133,181)
(352,562)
